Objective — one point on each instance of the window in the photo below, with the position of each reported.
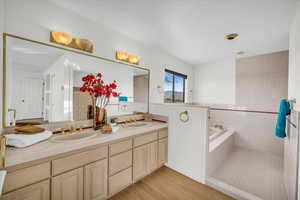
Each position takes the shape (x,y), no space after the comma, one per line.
(174,87)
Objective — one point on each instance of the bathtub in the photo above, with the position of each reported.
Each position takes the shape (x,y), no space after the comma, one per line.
(213,133)
(221,143)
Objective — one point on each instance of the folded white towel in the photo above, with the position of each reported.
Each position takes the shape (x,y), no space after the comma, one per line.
(22,140)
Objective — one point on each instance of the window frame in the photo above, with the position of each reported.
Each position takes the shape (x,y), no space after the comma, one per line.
(173,84)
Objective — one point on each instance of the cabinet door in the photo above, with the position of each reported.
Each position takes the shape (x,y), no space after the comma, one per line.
(38,191)
(68,186)
(95,179)
(140,160)
(152,157)
(162,151)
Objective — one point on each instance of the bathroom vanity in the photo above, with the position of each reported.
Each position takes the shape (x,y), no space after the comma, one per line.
(45,86)
(90,169)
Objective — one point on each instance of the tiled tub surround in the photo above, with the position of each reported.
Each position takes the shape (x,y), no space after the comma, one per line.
(254,126)
(254,149)
(95,168)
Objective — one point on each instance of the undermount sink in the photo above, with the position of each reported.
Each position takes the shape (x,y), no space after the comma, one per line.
(135,124)
(73,137)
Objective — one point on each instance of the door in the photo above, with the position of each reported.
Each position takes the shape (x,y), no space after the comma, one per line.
(152,157)
(140,160)
(162,151)
(68,186)
(95,179)
(39,191)
(28,98)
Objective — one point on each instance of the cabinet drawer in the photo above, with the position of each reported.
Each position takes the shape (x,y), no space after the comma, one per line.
(119,162)
(38,191)
(144,139)
(78,160)
(120,147)
(163,133)
(27,176)
(120,181)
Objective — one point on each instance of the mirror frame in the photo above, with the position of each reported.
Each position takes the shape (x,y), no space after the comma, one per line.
(7,35)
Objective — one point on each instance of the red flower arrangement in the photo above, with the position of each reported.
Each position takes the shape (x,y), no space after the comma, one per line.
(98,90)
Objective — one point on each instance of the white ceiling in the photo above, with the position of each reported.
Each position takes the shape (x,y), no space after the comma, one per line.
(194,30)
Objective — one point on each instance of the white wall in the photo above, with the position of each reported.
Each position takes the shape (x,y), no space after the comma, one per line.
(294,60)
(34,19)
(294,71)
(110,71)
(59,108)
(215,83)
(187,141)
(291,156)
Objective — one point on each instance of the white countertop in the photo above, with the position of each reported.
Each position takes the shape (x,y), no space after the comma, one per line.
(47,148)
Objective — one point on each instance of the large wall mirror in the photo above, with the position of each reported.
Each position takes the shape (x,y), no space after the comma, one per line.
(41,83)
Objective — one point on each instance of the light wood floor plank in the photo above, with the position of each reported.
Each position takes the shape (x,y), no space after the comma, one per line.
(166,184)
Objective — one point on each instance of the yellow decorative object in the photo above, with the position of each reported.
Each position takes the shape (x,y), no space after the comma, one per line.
(122,56)
(61,38)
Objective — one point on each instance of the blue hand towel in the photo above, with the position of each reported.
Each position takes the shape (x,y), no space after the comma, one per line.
(123,98)
(284,110)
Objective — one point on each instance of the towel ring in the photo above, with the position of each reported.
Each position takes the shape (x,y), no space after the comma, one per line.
(184,116)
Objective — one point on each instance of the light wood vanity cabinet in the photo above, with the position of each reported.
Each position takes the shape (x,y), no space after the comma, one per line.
(147,154)
(68,185)
(85,183)
(95,181)
(94,174)
(120,166)
(162,151)
(140,160)
(145,160)
(38,191)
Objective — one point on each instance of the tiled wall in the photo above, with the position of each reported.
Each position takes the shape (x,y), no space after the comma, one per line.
(254,130)
(261,81)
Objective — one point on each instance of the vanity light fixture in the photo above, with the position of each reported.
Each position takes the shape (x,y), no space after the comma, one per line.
(133,59)
(67,40)
(124,56)
(61,38)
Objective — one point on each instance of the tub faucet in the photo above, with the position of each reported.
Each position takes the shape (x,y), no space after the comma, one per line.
(219,126)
